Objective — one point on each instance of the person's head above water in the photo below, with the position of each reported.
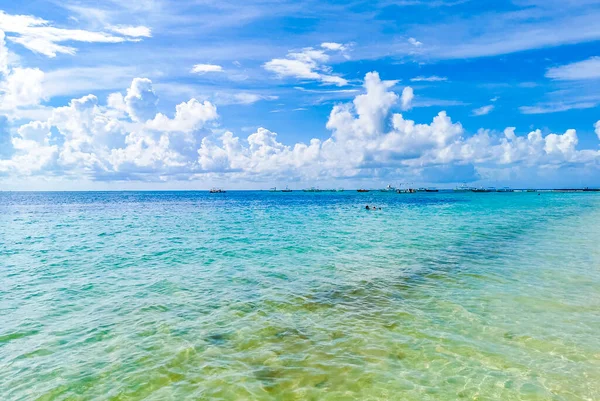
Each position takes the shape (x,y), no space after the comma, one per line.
(367,207)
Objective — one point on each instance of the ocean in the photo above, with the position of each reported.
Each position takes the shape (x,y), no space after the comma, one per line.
(299,296)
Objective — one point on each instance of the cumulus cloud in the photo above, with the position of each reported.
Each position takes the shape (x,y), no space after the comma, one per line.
(85,139)
(581,70)
(21,87)
(188,117)
(18,86)
(140,101)
(407,98)
(6,148)
(204,68)
(483,110)
(95,142)
(597,128)
(38,35)
(309,63)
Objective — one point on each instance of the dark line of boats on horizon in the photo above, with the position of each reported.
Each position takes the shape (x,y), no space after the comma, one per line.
(410,190)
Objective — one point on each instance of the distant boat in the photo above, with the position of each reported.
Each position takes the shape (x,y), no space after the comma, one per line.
(432,190)
(274,189)
(286,189)
(463,188)
(217,191)
(389,188)
(405,190)
(362,190)
(312,189)
(421,190)
(505,189)
(340,190)
(482,189)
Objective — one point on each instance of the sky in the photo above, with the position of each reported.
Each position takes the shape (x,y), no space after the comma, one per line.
(166,94)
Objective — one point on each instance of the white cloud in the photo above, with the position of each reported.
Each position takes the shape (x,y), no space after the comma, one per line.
(140,101)
(21,87)
(249,98)
(433,78)
(101,143)
(597,128)
(39,36)
(415,42)
(333,46)
(407,98)
(586,69)
(530,26)
(483,110)
(204,68)
(36,131)
(556,107)
(306,64)
(189,116)
(3,55)
(509,133)
(77,81)
(132,31)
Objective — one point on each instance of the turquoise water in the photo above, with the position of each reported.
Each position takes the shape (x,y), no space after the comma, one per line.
(301,296)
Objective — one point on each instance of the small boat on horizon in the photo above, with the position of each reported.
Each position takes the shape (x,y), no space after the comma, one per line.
(482,189)
(217,191)
(463,188)
(407,190)
(274,189)
(286,189)
(389,188)
(362,190)
(432,190)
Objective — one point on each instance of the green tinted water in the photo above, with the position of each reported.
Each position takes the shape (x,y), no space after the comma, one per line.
(258,296)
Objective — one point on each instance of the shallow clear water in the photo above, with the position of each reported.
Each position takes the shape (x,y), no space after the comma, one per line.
(301,296)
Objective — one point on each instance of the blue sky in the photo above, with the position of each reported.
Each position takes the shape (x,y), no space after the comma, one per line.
(259,80)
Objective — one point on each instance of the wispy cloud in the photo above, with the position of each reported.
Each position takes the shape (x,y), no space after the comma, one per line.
(309,63)
(482,111)
(533,25)
(40,36)
(433,78)
(245,98)
(556,107)
(586,69)
(415,42)
(204,68)
(132,31)
(326,91)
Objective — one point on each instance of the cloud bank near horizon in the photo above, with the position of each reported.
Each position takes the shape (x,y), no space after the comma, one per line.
(127,139)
